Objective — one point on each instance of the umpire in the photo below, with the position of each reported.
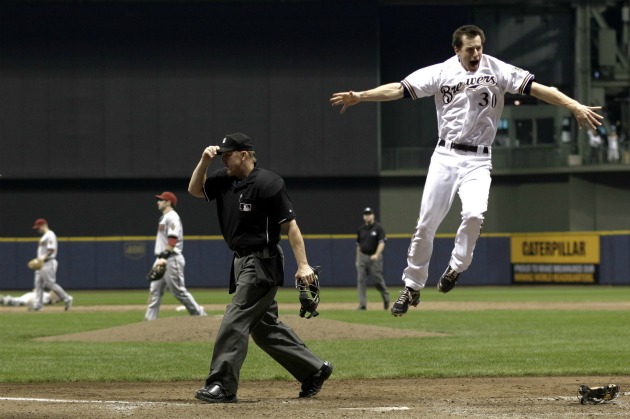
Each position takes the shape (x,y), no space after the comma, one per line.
(253,207)
(369,260)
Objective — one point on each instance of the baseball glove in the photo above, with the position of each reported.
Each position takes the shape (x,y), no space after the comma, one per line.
(309,295)
(35,264)
(156,272)
(596,395)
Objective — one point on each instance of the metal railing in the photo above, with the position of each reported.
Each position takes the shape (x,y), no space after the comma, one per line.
(543,158)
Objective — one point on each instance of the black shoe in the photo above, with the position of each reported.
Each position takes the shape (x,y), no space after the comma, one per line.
(214,394)
(407,297)
(361,308)
(386,304)
(312,385)
(448,280)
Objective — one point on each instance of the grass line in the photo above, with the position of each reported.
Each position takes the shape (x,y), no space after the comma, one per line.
(491,343)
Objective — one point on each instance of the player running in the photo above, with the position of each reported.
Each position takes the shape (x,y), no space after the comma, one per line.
(468,90)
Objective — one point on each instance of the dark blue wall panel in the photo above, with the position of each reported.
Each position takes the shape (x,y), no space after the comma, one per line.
(111,263)
(615,260)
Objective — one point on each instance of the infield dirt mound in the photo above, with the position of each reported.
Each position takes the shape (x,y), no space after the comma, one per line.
(203,329)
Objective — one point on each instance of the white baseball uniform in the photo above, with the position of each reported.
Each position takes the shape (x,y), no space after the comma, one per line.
(28,299)
(170,225)
(46,277)
(469,107)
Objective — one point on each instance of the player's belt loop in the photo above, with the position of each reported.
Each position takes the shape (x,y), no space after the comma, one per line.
(444,143)
(482,149)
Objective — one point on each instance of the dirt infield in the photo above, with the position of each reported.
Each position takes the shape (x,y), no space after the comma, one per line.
(402,398)
(523,397)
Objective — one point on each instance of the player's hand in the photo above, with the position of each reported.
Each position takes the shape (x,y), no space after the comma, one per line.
(345,99)
(305,274)
(586,116)
(160,261)
(210,152)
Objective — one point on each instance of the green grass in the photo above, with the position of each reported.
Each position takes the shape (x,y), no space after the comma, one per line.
(541,293)
(477,342)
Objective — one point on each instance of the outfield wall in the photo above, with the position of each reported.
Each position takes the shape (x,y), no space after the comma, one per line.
(122,262)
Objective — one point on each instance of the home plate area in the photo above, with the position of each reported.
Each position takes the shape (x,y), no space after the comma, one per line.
(530,397)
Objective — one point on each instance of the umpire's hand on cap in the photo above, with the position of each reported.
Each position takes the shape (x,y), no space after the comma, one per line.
(210,152)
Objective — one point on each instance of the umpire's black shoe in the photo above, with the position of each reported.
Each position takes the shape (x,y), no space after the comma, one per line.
(214,394)
(448,280)
(312,385)
(407,297)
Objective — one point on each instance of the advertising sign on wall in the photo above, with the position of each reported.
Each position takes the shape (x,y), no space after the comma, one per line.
(555,258)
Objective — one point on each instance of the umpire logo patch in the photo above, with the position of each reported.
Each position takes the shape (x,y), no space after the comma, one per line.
(245,207)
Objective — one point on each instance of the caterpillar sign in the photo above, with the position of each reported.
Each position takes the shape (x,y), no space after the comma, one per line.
(555,258)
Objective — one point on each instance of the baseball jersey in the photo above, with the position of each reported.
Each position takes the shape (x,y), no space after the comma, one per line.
(170,225)
(47,242)
(468,105)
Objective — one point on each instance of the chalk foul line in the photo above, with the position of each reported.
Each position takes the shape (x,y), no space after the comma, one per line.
(37,399)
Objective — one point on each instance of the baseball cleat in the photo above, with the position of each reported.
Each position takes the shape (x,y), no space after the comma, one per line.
(313,385)
(407,297)
(448,280)
(214,394)
(68,303)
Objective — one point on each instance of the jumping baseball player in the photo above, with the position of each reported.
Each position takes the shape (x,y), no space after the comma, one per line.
(46,277)
(169,245)
(468,90)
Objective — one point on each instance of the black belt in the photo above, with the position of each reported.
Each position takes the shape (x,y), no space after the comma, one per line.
(241,253)
(463,147)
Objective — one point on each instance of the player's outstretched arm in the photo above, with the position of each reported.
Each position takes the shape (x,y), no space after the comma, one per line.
(383,93)
(585,115)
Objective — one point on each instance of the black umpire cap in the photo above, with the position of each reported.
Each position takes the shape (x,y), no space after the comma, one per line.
(236,142)
(368,210)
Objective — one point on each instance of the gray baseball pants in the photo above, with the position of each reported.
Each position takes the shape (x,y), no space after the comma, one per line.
(365,267)
(254,311)
(46,278)
(173,279)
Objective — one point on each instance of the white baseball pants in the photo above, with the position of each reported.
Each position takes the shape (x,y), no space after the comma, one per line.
(173,279)
(450,172)
(46,278)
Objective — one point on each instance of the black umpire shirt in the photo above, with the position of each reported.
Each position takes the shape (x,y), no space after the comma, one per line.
(250,210)
(369,236)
